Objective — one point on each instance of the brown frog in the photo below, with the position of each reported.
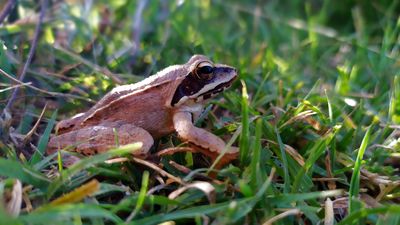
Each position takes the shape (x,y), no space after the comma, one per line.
(166,102)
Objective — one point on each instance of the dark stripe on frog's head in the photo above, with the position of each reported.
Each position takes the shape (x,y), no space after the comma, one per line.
(203,83)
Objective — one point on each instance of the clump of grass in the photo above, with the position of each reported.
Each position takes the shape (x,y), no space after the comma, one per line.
(317,108)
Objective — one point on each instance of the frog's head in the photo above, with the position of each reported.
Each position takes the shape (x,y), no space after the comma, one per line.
(203,80)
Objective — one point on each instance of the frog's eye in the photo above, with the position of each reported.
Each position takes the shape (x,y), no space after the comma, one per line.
(204,71)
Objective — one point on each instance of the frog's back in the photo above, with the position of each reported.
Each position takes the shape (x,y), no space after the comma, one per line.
(166,75)
(141,104)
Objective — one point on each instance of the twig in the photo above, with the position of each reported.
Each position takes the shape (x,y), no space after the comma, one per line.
(6,10)
(159,170)
(171,151)
(44,73)
(289,212)
(192,173)
(15,86)
(32,131)
(329,213)
(43,91)
(30,54)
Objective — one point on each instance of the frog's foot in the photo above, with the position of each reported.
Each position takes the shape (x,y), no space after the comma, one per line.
(98,139)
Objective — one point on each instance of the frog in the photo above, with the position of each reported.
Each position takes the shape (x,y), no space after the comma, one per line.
(166,102)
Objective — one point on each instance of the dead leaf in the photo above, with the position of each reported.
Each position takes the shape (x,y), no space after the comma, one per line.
(78,194)
(205,187)
(14,199)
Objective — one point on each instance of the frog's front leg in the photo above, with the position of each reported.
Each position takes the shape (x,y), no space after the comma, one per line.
(100,138)
(201,138)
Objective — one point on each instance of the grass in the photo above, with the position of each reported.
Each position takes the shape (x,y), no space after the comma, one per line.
(317,107)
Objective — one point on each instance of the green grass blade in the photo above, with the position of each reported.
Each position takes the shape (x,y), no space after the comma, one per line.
(5,218)
(260,87)
(67,212)
(141,197)
(329,107)
(288,198)
(128,203)
(89,162)
(355,178)
(394,104)
(315,153)
(389,218)
(244,136)
(13,169)
(193,212)
(286,178)
(237,208)
(255,160)
(44,139)
(357,215)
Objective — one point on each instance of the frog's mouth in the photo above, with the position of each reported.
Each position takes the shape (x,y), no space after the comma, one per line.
(218,89)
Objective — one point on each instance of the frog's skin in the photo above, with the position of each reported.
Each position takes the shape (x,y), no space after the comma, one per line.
(166,102)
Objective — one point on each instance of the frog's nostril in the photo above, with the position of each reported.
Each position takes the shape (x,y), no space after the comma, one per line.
(233,70)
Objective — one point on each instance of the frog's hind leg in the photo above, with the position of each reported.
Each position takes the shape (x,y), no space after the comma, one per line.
(100,138)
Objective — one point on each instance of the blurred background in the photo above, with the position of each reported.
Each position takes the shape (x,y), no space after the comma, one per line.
(88,46)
